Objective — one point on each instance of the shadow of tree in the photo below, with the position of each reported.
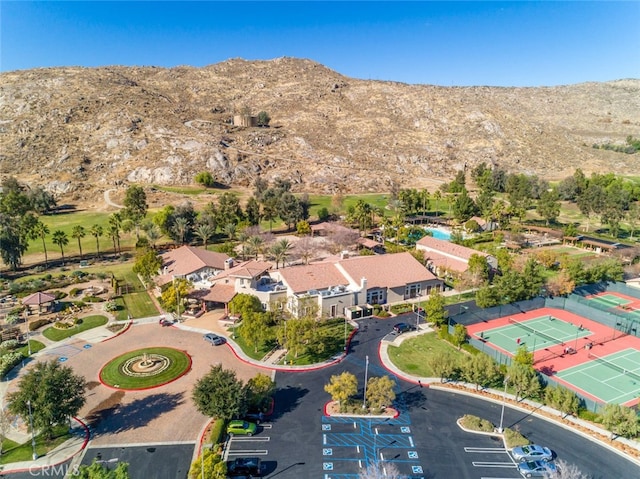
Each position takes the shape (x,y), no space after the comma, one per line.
(116,418)
(287,399)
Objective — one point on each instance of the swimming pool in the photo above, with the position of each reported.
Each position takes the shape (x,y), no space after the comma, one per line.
(440,233)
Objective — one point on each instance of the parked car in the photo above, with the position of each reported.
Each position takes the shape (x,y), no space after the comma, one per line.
(402,327)
(214,339)
(165,322)
(238,427)
(531,452)
(537,468)
(244,467)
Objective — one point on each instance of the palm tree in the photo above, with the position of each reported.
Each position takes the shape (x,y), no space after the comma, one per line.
(437,197)
(115,221)
(205,232)
(243,238)
(96,231)
(255,245)
(41,230)
(153,233)
(230,230)
(280,251)
(180,228)
(78,233)
(60,238)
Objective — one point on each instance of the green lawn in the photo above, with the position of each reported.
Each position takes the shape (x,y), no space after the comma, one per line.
(138,305)
(410,355)
(112,374)
(90,322)
(13,452)
(35,347)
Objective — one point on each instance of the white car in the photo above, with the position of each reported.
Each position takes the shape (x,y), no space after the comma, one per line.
(537,469)
(531,452)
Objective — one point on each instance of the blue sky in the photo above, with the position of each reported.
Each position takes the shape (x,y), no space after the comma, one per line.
(440,43)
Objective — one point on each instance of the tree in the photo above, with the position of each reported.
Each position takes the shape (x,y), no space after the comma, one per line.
(180,229)
(204,231)
(524,380)
(459,335)
(380,470)
(289,209)
(6,419)
(523,356)
(280,250)
(549,206)
(478,269)
(220,394)
(153,233)
(254,328)
(380,393)
(260,391)
(562,399)
(96,231)
(41,231)
(53,393)
(434,308)
(464,207)
(78,232)
(173,296)
(255,244)
(60,238)
(212,464)
(116,224)
(305,249)
(341,387)
(443,364)
(243,304)
(620,420)
(135,204)
(566,471)
(252,211)
(480,370)
(148,264)
(205,178)
(99,471)
(303,228)
(263,119)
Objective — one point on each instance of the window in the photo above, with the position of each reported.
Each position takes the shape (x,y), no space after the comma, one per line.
(412,290)
(334,310)
(376,296)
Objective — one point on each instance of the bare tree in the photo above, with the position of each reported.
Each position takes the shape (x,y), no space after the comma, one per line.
(6,418)
(566,471)
(380,470)
(305,249)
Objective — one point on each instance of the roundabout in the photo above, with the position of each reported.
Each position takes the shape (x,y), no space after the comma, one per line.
(145,368)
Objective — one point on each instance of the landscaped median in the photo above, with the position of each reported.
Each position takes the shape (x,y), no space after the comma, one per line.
(145,368)
(63,330)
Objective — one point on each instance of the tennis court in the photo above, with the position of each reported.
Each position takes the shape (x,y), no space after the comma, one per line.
(536,333)
(612,378)
(610,300)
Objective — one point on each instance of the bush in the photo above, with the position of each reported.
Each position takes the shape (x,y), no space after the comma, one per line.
(9,361)
(401,308)
(383,314)
(514,438)
(111,306)
(77,321)
(62,325)
(38,323)
(9,344)
(93,299)
(75,292)
(59,294)
(475,423)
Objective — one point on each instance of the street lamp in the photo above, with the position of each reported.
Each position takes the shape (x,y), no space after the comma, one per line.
(26,317)
(177,290)
(33,439)
(504,400)
(366,373)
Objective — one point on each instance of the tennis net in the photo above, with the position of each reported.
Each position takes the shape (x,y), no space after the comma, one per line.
(535,331)
(614,366)
(612,302)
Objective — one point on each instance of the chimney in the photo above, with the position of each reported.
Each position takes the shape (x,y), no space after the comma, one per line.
(363,284)
(228,263)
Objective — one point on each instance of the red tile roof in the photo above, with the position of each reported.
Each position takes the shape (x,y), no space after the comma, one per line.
(386,270)
(447,248)
(313,276)
(220,293)
(246,269)
(188,259)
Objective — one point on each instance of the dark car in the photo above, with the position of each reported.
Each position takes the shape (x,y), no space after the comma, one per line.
(214,339)
(402,327)
(244,467)
(165,322)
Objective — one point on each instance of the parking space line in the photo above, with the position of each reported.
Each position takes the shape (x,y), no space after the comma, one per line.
(506,465)
(253,452)
(251,439)
(486,450)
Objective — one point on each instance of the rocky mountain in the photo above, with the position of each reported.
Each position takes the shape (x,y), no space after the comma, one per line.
(81,130)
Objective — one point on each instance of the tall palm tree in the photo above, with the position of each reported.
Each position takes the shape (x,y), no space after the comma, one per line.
(115,223)
(153,234)
(230,230)
(437,198)
(205,232)
(180,228)
(41,230)
(78,233)
(60,238)
(243,238)
(96,231)
(255,245)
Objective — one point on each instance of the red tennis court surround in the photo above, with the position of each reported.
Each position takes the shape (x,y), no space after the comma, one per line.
(558,357)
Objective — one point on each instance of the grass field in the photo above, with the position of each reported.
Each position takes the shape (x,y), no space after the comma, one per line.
(90,322)
(14,452)
(410,355)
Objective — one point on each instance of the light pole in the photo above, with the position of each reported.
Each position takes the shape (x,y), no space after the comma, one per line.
(33,439)
(178,297)
(366,373)
(504,400)
(26,317)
